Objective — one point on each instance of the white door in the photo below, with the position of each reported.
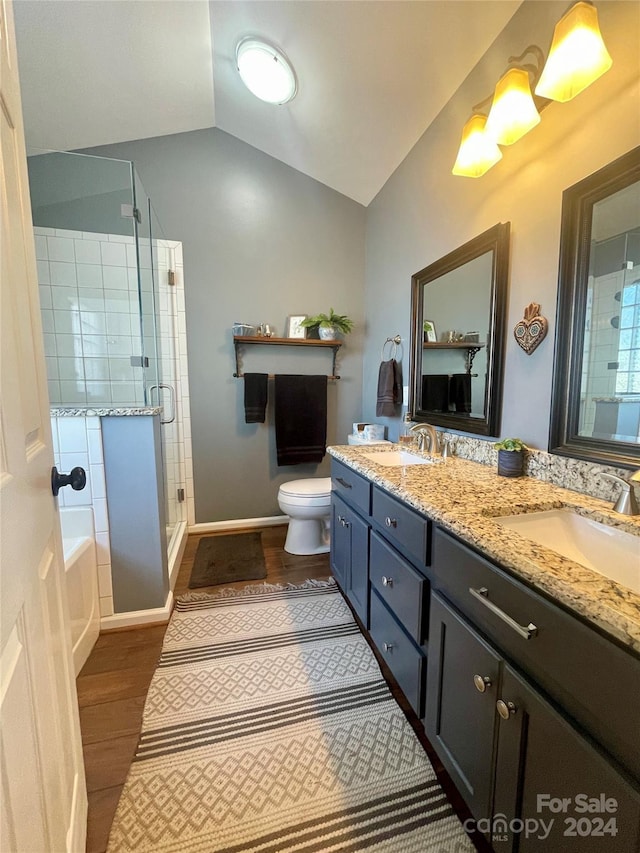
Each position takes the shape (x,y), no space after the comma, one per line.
(43,792)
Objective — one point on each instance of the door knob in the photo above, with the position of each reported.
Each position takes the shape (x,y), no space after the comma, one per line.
(77,479)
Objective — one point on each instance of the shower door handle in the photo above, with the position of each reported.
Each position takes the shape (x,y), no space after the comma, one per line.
(172,397)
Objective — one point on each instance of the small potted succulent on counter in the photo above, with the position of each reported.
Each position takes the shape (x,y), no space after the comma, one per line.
(510,456)
(328,326)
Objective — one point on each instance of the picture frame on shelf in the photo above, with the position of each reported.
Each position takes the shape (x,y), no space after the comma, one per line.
(429,330)
(294,329)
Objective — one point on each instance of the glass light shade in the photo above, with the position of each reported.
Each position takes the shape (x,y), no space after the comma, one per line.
(513,112)
(578,55)
(478,152)
(265,71)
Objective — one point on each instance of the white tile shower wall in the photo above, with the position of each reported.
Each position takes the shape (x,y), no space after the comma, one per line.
(78,441)
(89,299)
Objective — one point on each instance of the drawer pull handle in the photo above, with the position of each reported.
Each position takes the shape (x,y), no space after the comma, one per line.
(387,646)
(390,522)
(343,483)
(481,682)
(506,709)
(482,595)
(387,581)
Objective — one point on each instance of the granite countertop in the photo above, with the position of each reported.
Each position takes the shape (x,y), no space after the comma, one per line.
(105,412)
(463,497)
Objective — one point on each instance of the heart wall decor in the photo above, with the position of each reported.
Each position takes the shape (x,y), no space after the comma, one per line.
(532,330)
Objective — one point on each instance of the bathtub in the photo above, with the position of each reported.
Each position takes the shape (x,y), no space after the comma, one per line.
(81,580)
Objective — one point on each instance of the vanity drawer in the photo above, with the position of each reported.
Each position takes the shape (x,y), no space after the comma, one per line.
(408,530)
(401,656)
(595,680)
(401,587)
(355,489)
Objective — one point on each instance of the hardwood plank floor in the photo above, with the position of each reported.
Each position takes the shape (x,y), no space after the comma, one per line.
(113,684)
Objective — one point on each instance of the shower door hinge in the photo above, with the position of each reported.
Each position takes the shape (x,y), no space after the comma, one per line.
(128,211)
(171,277)
(139,361)
(180,496)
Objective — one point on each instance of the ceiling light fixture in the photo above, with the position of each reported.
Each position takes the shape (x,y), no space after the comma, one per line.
(576,59)
(266,71)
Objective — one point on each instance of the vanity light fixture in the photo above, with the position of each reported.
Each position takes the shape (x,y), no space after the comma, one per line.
(266,71)
(478,151)
(577,57)
(513,112)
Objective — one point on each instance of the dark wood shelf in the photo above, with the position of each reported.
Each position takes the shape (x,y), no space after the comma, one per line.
(240,340)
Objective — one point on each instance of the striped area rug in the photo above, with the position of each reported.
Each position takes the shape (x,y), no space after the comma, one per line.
(268,728)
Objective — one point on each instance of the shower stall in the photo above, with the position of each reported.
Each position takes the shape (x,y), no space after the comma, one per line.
(112,306)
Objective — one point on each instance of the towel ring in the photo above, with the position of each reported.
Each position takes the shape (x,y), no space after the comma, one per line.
(395,343)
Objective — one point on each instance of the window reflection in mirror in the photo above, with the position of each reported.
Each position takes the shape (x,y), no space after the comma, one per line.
(456,364)
(596,386)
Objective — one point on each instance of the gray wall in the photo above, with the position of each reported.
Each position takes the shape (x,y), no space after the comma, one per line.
(261,241)
(424,212)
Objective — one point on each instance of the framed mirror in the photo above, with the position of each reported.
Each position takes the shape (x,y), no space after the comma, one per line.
(458,309)
(595,409)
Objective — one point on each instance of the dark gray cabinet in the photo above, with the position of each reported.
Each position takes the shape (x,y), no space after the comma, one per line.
(350,555)
(539,778)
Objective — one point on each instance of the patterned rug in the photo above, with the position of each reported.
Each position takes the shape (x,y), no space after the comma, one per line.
(269,728)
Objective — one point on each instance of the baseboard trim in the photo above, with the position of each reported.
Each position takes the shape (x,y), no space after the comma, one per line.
(133,618)
(238,523)
(176,553)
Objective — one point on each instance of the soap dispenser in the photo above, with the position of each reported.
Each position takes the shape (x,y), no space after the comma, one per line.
(406,436)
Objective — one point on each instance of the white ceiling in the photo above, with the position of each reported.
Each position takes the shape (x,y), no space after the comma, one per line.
(372,75)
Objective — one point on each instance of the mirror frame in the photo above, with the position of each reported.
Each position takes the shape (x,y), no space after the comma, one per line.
(496,240)
(575,243)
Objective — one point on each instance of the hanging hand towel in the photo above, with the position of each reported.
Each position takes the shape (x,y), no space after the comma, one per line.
(255,397)
(389,388)
(301,418)
(460,392)
(435,392)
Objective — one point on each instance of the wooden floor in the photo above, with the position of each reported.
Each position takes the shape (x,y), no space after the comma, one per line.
(113,684)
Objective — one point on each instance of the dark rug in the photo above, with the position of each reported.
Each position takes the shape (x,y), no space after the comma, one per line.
(225,559)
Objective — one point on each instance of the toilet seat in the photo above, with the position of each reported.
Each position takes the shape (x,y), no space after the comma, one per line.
(310,492)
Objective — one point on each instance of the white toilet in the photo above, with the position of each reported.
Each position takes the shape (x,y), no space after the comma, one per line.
(308,505)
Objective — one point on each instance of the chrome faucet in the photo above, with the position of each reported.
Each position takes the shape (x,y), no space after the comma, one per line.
(627,503)
(427,434)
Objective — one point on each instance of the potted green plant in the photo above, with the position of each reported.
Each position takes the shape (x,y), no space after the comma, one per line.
(328,325)
(510,456)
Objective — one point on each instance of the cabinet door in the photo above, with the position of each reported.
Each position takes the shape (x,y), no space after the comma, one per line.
(463,675)
(350,555)
(547,771)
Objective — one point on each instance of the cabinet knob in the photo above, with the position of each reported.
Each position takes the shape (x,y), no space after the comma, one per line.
(481,682)
(341,520)
(505,709)
(387,581)
(387,646)
(390,522)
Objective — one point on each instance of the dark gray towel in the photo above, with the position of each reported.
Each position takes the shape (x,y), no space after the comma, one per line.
(389,388)
(301,418)
(255,397)
(435,392)
(460,392)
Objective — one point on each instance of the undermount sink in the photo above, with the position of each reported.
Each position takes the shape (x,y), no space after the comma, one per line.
(607,550)
(396,458)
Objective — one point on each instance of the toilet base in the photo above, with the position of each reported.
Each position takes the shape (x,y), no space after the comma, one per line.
(307,536)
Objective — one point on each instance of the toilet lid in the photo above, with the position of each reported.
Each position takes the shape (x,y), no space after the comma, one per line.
(316,487)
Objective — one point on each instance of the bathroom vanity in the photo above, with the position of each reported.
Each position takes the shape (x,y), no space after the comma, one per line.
(523,666)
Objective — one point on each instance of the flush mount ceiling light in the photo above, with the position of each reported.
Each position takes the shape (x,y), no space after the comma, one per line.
(265,71)
(577,57)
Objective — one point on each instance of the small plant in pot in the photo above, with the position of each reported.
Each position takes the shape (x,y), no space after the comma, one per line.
(510,456)
(328,326)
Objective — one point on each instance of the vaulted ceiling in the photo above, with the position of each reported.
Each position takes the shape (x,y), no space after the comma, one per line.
(372,75)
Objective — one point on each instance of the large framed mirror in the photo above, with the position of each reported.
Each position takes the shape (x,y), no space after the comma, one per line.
(595,410)
(458,306)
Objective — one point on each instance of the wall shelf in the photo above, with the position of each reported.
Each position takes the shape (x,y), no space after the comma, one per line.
(242,340)
(472,349)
